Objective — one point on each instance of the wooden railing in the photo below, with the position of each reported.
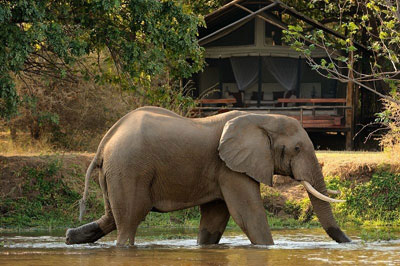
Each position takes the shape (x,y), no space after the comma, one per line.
(307,121)
(280,100)
(215,101)
(312,100)
(317,121)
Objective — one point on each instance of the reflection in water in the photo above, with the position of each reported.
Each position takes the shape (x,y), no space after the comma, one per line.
(293,247)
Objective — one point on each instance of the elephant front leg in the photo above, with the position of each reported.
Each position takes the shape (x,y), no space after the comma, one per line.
(214,217)
(242,196)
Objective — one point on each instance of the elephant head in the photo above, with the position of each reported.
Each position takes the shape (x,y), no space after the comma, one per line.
(264,145)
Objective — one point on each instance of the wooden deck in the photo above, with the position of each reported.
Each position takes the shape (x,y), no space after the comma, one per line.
(317,121)
(321,121)
(312,117)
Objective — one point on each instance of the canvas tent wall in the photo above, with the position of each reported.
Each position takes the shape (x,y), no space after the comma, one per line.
(291,74)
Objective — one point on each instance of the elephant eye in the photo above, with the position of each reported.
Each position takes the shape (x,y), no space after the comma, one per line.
(297,148)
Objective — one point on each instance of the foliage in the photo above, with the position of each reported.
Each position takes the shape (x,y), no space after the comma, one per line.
(186,217)
(379,234)
(276,222)
(375,201)
(143,39)
(46,200)
(171,96)
(64,116)
(301,210)
(369,44)
(204,7)
(390,117)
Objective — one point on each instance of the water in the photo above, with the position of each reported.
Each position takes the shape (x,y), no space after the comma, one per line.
(178,247)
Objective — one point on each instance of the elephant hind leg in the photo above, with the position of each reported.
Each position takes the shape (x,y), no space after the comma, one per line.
(93,231)
(130,203)
(129,218)
(242,196)
(214,217)
(106,222)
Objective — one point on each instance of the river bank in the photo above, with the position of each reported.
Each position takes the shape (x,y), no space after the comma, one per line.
(43,191)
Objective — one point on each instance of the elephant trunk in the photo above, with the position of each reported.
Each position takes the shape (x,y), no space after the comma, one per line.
(324,213)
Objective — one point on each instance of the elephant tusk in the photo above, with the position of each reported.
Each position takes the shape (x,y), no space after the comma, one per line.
(334,192)
(318,194)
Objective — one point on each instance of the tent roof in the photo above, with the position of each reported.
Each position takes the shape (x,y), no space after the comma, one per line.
(238,10)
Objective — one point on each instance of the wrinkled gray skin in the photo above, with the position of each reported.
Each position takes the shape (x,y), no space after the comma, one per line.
(155,160)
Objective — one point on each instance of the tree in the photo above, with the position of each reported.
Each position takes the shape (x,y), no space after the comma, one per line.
(49,38)
(374,25)
(367,55)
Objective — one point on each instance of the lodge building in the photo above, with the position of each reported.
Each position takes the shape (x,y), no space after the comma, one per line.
(249,67)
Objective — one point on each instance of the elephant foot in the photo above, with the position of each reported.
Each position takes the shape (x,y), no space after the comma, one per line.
(338,235)
(87,233)
(207,238)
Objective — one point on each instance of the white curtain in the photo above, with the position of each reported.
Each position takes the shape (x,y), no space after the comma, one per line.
(285,70)
(245,70)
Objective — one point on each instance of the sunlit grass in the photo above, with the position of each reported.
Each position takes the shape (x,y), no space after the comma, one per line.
(23,145)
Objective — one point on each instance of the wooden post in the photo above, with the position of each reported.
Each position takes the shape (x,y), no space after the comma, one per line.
(298,82)
(349,103)
(259,81)
(220,78)
(301,116)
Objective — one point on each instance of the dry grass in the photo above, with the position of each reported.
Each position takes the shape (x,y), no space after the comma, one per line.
(391,119)
(356,165)
(24,145)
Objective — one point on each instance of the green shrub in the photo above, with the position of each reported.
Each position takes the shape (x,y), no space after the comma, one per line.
(292,207)
(376,201)
(46,200)
(379,234)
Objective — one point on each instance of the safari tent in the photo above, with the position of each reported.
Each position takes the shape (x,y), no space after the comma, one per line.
(249,67)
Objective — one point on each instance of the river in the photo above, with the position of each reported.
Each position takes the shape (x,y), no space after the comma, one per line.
(177,246)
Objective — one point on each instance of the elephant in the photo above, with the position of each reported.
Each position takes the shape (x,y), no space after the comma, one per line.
(153,159)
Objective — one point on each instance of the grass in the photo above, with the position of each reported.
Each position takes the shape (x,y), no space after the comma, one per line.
(180,218)
(47,199)
(356,165)
(380,233)
(24,145)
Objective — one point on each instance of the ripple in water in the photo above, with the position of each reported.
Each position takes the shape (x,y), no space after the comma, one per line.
(293,241)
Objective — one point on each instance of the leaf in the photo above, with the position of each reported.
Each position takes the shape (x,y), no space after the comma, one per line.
(383,35)
(352,48)
(352,26)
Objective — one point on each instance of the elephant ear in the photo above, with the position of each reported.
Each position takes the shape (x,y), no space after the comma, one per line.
(245,147)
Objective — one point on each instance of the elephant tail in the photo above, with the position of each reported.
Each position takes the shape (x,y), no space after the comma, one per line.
(97,162)
(82,203)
